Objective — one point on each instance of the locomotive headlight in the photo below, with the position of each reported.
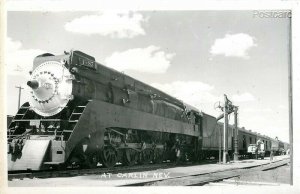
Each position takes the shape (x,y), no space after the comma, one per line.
(33,84)
(50,85)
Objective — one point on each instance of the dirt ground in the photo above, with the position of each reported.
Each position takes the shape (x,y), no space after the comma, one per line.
(277,176)
(271,177)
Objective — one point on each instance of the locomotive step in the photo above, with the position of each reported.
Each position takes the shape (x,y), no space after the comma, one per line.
(24,107)
(67,131)
(52,163)
(17,120)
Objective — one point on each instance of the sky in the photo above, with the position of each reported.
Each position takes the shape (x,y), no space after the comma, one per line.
(196,56)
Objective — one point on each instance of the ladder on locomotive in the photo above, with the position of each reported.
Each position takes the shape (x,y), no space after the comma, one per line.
(73,119)
(19,116)
(65,133)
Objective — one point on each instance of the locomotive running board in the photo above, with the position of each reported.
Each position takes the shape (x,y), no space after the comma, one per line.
(31,158)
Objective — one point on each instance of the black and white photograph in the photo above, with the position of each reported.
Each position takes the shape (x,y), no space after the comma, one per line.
(122,97)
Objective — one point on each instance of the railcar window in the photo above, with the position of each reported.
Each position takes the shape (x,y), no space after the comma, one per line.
(244,141)
(250,140)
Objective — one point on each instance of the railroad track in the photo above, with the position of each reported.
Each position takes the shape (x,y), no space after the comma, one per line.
(78,172)
(99,170)
(205,178)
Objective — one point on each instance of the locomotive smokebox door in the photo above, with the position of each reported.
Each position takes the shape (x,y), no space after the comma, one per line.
(51,88)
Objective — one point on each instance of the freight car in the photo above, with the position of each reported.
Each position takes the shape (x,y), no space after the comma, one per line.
(247,137)
(82,113)
(212,137)
(279,147)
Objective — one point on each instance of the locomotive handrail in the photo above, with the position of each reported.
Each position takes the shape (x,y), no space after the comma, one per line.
(116,131)
(41,120)
(20,135)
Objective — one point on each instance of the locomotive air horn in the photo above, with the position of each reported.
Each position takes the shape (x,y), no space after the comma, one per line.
(33,84)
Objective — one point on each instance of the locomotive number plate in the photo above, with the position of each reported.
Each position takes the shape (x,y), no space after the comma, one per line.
(87,63)
(82,59)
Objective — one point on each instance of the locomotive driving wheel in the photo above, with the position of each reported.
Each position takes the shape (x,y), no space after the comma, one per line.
(109,157)
(158,156)
(131,156)
(93,160)
(146,156)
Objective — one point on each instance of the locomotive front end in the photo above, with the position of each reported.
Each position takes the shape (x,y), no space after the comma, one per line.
(51,88)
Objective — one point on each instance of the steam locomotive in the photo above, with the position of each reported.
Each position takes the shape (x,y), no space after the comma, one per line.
(82,113)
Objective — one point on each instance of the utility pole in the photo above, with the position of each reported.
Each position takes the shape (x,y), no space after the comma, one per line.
(220,146)
(20,91)
(290,97)
(236,153)
(225,131)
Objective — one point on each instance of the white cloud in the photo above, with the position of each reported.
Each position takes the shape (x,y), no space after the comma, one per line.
(150,59)
(233,45)
(256,120)
(12,45)
(282,107)
(245,97)
(256,110)
(71,5)
(109,23)
(19,61)
(194,93)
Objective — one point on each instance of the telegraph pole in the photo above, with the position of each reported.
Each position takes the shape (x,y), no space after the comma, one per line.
(225,131)
(290,97)
(236,153)
(20,91)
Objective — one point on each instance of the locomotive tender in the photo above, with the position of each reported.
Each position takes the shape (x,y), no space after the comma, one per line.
(82,113)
